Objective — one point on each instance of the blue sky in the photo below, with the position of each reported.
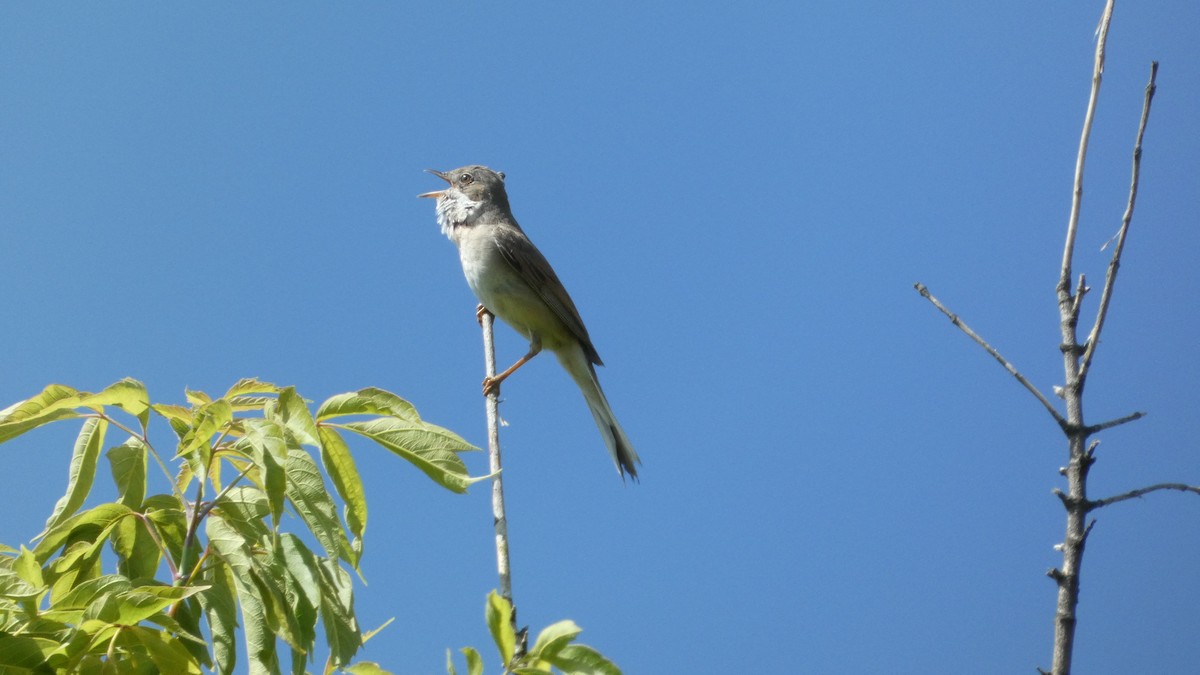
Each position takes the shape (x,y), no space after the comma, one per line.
(739,198)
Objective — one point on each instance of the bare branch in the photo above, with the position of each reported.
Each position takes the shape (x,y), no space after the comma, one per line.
(1142,491)
(991,350)
(1111,277)
(1064,280)
(1115,423)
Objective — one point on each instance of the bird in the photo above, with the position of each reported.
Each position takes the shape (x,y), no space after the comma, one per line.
(514,281)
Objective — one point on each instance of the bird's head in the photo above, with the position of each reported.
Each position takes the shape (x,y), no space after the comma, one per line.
(474,191)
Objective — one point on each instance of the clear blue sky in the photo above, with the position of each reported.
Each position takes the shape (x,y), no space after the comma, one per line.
(739,198)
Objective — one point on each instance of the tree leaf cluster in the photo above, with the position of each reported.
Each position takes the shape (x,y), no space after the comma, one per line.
(554,651)
(161,581)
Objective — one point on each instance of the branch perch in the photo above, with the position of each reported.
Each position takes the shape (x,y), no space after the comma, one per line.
(499,517)
(992,350)
(1132,494)
(1114,264)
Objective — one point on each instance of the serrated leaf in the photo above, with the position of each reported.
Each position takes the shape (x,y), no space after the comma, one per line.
(176,414)
(302,565)
(306,491)
(14,587)
(369,401)
(84,594)
(260,640)
(21,654)
(339,464)
(264,442)
(251,385)
(294,414)
(499,622)
(220,608)
(130,606)
(169,520)
(166,652)
(82,471)
(138,556)
(208,420)
(367,668)
(577,659)
(55,402)
(128,395)
(96,522)
(128,465)
(197,398)
(26,566)
(429,447)
(553,638)
(337,612)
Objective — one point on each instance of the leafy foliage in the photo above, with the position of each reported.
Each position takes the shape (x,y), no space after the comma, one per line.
(554,651)
(247,457)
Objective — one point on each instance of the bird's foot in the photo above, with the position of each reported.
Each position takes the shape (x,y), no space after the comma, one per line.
(480,310)
(491,385)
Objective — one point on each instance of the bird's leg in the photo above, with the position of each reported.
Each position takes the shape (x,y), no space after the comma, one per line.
(480,310)
(492,384)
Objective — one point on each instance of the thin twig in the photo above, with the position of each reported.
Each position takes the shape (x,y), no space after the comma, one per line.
(1115,423)
(499,517)
(995,354)
(1142,491)
(1064,282)
(1113,265)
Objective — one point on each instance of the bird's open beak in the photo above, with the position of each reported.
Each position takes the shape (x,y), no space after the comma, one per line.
(437,193)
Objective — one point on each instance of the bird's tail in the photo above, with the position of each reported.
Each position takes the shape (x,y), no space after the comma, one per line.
(584,374)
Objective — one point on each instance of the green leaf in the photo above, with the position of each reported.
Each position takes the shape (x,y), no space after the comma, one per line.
(169,520)
(28,569)
(82,471)
(220,608)
(20,654)
(306,491)
(260,640)
(208,420)
(128,465)
(337,612)
(339,464)
(244,508)
(430,448)
(474,661)
(197,398)
(138,556)
(302,566)
(553,638)
(369,401)
(55,402)
(264,442)
(167,653)
(367,668)
(131,606)
(294,414)
(128,395)
(250,385)
(577,659)
(87,592)
(499,620)
(92,524)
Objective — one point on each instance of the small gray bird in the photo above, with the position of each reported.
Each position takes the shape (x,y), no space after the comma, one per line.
(513,281)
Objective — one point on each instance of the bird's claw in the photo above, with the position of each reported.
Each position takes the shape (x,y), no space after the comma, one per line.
(480,310)
(491,386)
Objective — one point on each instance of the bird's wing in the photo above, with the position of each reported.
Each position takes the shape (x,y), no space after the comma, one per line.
(535,270)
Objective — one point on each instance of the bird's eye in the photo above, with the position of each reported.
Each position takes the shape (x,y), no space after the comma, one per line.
(466,179)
